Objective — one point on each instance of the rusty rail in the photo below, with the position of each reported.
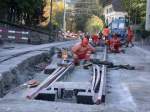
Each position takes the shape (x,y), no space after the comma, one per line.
(48,81)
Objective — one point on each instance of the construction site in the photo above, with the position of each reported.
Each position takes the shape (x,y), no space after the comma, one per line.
(98,69)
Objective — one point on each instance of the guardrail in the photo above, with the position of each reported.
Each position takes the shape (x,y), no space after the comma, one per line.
(22,34)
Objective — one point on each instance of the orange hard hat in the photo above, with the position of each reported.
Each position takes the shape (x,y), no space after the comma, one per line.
(85,41)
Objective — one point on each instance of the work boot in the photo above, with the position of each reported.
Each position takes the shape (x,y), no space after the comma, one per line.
(86,64)
(76,62)
(123,51)
(132,45)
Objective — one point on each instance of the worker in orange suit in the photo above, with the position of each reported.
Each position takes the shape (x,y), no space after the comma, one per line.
(115,44)
(130,36)
(95,39)
(108,43)
(82,51)
(106,32)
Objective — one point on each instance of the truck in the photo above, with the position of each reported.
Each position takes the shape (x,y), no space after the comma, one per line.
(119,26)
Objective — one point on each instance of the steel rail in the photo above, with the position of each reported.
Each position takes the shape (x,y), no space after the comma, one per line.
(93,80)
(19,52)
(62,73)
(44,84)
(98,79)
(59,72)
(101,93)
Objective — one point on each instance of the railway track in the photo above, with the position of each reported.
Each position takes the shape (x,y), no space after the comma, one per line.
(61,84)
(5,56)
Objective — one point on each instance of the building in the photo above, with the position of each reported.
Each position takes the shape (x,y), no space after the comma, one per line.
(113,9)
(147,26)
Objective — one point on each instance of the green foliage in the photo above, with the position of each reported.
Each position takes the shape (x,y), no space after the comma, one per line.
(94,24)
(58,19)
(32,12)
(28,11)
(86,8)
(143,32)
(80,21)
(136,10)
(58,11)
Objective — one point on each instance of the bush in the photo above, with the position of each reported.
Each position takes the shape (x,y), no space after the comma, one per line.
(145,34)
(141,32)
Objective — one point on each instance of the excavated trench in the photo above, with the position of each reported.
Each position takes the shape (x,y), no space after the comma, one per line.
(27,70)
(22,73)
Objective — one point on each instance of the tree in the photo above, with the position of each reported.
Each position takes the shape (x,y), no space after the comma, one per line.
(84,9)
(136,10)
(94,24)
(57,14)
(18,11)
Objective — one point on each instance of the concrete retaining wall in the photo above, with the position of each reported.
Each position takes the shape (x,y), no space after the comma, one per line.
(20,74)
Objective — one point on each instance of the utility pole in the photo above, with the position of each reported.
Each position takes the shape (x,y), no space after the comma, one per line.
(64,19)
(147,25)
(51,10)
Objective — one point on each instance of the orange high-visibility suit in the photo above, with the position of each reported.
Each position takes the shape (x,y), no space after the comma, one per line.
(95,39)
(106,32)
(82,50)
(130,36)
(115,44)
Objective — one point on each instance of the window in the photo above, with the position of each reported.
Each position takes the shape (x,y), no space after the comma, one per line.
(121,26)
(110,10)
(114,25)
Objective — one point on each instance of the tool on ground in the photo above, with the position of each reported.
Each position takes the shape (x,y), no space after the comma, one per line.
(33,83)
(109,64)
(128,67)
(99,62)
